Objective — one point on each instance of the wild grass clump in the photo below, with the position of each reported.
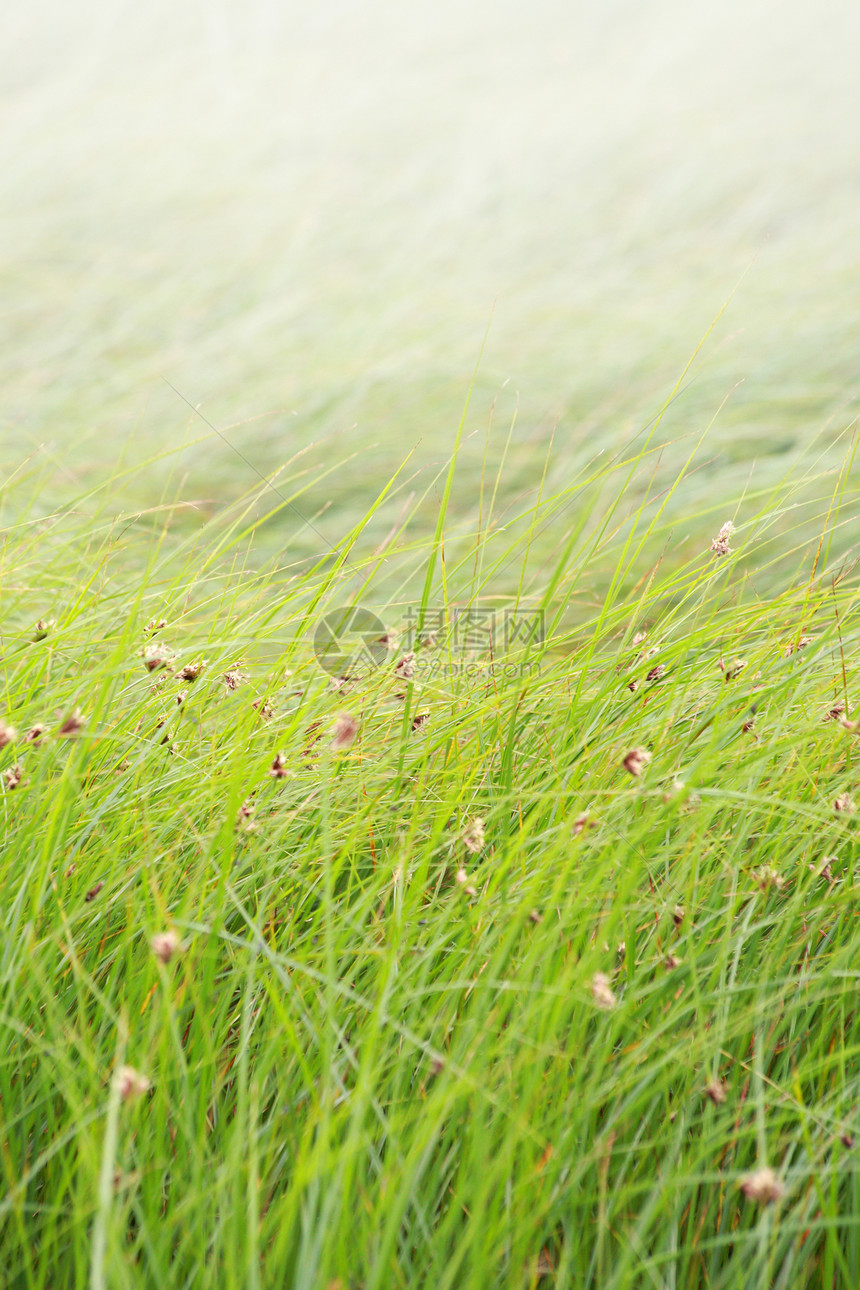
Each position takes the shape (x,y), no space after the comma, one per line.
(517,960)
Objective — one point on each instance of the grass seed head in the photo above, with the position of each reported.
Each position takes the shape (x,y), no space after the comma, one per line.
(264,709)
(582,822)
(12,777)
(72,725)
(656,672)
(43,628)
(799,644)
(8,734)
(473,837)
(34,734)
(345,731)
(715,1089)
(279,767)
(462,880)
(636,760)
(191,671)
(165,945)
(157,655)
(720,544)
(762,1186)
(245,816)
(405,667)
(233,677)
(601,991)
(93,892)
(844,804)
(131,1083)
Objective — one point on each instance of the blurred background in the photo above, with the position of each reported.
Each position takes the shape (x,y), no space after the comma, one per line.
(304,218)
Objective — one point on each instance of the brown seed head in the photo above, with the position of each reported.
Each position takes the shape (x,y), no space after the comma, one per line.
(8,734)
(93,892)
(344,732)
(12,776)
(678,914)
(636,760)
(735,668)
(405,668)
(72,725)
(845,804)
(716,1091)
(656,672)
(157,655)
(720,544)
(762,1186)
(34,735)
(191,671)
(43,628)
(799,644)
(279,767)
(264,709)
(767,877)
(233,677)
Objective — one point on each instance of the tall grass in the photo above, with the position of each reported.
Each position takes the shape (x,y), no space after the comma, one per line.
(475,999)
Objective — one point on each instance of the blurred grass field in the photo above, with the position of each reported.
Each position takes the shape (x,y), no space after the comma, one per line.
(304,221)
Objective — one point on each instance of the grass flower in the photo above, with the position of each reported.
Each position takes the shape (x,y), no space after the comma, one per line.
(636,760)
(762,1186)
(716,1091)
(191,671)
(8,734)
(473,837)
(131,1083)
(720,544)
(601,991)
(165,945)
(405,667)
(43,628)
(345,731)
(73,725)
(844,804)
(233,677)
(156,656)
(12,777)
(462,879)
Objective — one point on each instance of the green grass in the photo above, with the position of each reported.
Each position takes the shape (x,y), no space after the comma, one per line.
(253,252)
(378,1058)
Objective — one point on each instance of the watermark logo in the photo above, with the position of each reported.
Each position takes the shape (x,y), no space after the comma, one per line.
(350,639)
(353,639)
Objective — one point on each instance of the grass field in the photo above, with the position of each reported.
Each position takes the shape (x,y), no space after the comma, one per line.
(519,951)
